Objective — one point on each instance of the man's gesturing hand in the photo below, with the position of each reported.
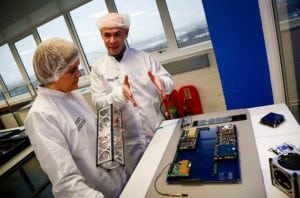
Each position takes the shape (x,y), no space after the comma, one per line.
(158,84)
(126,91)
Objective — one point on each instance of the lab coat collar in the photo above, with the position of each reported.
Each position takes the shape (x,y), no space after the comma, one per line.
(44,90)
(120,55)
(123,56)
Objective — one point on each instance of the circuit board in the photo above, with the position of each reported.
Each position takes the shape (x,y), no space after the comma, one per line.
(180,169)
(188,139)
(212,157)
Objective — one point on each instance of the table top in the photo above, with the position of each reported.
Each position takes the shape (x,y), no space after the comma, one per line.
(254,153)
(267,137)
(145,170)
(162,150)
(289,126)
(28,151)
(263,146)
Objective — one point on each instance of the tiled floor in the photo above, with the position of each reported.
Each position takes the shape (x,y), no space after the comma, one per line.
(14,186)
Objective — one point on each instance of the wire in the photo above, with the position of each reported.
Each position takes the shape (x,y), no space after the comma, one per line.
(160,126)
(185,123)
(162,111)
(191,120)
(167,194)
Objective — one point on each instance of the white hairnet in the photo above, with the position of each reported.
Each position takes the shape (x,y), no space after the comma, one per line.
(52,59)
(112,20)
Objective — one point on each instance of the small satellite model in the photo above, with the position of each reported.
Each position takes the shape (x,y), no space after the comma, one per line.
(110,152)
(285,172)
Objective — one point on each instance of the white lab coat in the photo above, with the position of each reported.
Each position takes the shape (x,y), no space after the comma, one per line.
(139,122)
(62,130)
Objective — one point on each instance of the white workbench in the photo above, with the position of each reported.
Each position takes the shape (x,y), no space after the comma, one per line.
(262,137)
(17,162)
(267,137)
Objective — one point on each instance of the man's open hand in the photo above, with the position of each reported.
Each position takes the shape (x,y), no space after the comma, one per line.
(127,92)
(158,84)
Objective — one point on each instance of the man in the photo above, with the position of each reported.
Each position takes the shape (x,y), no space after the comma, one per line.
(133,82)
(62,128)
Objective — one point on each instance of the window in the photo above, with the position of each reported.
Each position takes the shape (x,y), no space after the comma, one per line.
(287,20)
(146,30)
(56,28)
(188,21)
(26,48)
(156,27)
(10,73)
(84,19)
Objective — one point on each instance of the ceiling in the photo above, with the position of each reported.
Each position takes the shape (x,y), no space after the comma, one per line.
(19,17)
(13,10)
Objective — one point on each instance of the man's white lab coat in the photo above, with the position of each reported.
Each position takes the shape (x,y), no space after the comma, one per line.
(140,122)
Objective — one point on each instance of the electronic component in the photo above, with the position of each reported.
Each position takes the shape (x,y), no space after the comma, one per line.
(226,146)
(283,148)
(184,168)
(225,152)
(285,173)
(206,155)
(180,169)
(239,117)
(272,119)
(188,139)
(219,120)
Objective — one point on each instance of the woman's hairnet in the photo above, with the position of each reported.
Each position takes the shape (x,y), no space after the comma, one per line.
(52,59)
(114,19)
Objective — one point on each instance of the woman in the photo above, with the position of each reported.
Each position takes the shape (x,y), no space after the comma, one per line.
(62,127)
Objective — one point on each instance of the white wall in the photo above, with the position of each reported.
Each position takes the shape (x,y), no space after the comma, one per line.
(207,81)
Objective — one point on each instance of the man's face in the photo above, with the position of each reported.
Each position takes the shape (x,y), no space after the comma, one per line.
(69,80)
(114,39)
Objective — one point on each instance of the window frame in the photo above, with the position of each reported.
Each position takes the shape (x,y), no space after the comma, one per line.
(172,53)
(166,55)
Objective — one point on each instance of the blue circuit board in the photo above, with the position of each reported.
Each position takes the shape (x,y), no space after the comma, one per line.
(214,159)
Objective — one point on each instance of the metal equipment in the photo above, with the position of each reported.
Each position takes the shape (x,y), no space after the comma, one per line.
(110,153)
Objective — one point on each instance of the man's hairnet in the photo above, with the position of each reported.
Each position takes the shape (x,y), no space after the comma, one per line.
(112,20)
(52,59)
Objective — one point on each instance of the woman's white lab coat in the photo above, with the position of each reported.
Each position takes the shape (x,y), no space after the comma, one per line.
(63,134)
(139,122)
